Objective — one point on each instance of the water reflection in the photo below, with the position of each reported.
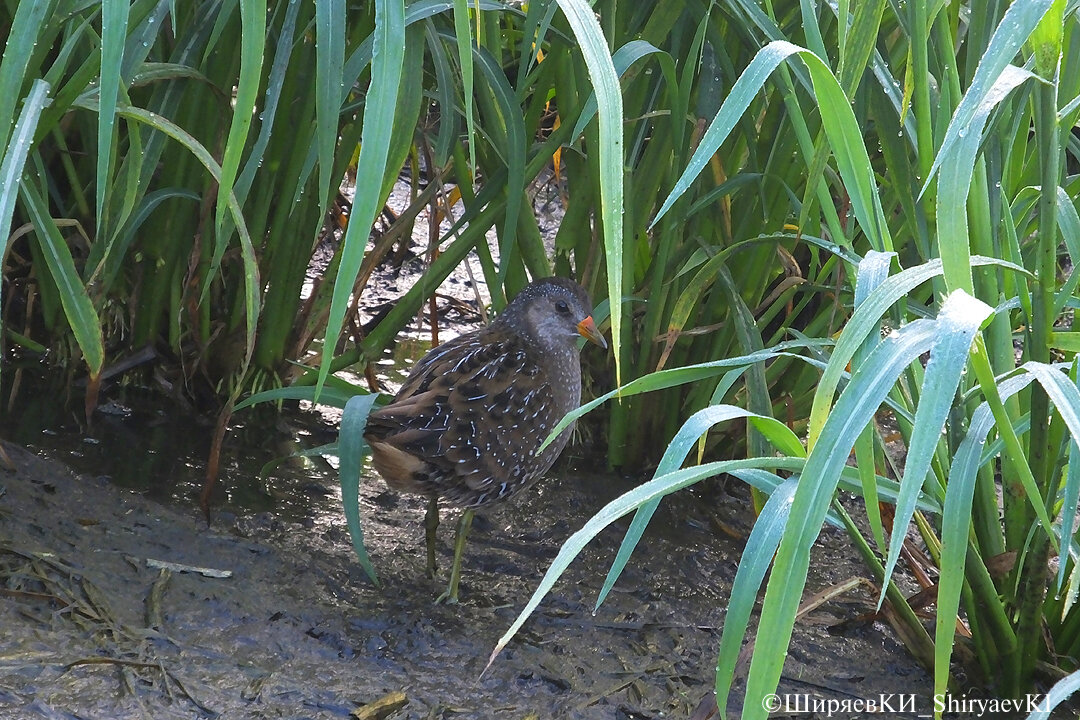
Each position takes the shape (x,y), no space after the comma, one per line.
(142,441)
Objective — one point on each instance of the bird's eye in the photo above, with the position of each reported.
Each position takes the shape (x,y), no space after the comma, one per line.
(562,307)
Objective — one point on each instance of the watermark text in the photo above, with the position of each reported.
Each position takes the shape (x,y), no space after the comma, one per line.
(911,703)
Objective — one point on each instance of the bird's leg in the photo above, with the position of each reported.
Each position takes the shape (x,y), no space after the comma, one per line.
(450,597)
(431,525)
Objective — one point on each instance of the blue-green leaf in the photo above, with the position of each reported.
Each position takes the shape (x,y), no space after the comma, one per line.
(14,160)
(754,563)
(114,20)
(353,448)
(869,386)
(376,139)
(605,82)
(960,318)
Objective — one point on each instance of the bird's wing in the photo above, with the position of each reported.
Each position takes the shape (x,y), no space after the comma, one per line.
(476,413)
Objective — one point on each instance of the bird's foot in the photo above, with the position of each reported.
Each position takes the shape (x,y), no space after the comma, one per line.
(448,597)
(450,594)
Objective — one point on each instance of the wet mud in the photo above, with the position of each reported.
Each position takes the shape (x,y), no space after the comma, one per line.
(94,628)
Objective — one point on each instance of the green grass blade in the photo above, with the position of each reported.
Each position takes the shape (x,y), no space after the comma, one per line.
(247,250)
(113,262)
(1012,32)
(726,383)
(646,493)
(735,104)
(617,508)
(1063,393)
(728,187)
(318,451)
(451,256)
(444,93)
(873,270)
(956,526)
(754,563)
(958,163)
(959,320)
(329,66)
(850,481)
(362,55)
(677,450)
(678,376)
(869,386)
(142,37)
(748,335)
(14,160)
(623,58)
(353,447)
(79,310)
(417,11)
(463,36)
(605,84)
(864,321)
(856,46)
(1069,224)
(690,295)
(378,129)
(860,44)
(1069,501)
(813,29)
(839,121)
(330,396)
(769,32)
(126,185)
(22,37)
(253,45)
(535,29)
(274,82)
(852,160)
(513,126)
(114,21)
(768,482)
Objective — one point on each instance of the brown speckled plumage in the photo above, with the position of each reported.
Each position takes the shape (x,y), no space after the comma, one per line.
(467,423)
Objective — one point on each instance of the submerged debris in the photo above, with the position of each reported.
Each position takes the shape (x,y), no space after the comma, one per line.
(382,708)
(180,567)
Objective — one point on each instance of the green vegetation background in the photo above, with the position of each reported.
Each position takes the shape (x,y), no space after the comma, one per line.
(803,214)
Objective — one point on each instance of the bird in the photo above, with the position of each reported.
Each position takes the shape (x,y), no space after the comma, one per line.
(467,425)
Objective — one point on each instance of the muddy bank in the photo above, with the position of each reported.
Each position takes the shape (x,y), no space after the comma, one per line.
(90,630)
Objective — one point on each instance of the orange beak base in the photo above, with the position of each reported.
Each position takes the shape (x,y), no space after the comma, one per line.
(588,330)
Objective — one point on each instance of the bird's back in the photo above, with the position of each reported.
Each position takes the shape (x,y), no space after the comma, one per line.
(468,421)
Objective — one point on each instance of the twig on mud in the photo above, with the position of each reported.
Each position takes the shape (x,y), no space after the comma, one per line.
(111,661)
(87,607)
(27,595)
(381,708)
(178,567)
(631,676)
(155,618)
(606,692)
(187,693)
(130,681)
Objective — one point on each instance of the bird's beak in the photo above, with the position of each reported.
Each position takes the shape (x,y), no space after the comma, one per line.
(588,330)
